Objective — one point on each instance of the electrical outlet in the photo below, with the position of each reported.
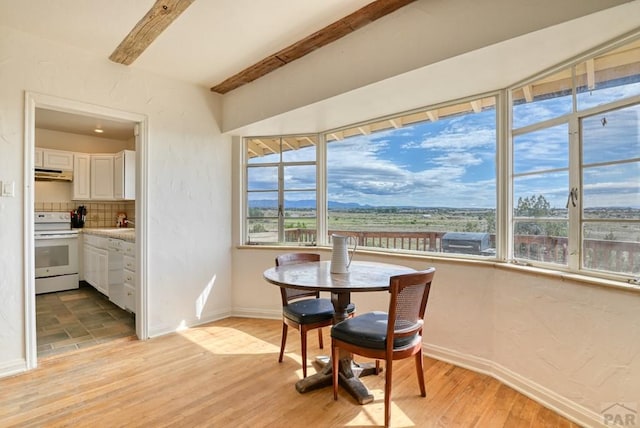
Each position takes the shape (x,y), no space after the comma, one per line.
(8,189)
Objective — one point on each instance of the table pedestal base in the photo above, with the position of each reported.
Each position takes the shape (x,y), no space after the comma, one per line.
(349,378)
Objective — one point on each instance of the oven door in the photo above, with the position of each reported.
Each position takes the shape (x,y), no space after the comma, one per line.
(56,255)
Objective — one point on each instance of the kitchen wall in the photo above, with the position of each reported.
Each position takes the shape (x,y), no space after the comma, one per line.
(57,195)
(188,185)
(50,139)
(99,214)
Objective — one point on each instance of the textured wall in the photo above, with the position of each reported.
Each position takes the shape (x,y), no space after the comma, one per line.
(188,183)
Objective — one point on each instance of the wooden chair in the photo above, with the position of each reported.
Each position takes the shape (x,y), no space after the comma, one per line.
(388,336)
(302,309)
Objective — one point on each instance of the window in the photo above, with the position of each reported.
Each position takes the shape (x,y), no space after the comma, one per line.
(576,171)
(611,190)
(281,189)
(424,181)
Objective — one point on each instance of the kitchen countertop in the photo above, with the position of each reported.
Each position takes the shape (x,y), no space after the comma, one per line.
(126,234)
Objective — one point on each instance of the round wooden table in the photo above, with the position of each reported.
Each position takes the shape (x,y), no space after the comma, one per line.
(362,276)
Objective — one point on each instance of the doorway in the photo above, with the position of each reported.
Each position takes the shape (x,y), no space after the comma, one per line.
(51,112)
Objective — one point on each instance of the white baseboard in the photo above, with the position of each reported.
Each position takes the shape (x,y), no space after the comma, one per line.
(161,330)
(550,399)
(14,367)
(274,314)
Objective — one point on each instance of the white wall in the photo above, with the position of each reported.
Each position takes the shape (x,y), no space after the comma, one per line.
(188,184)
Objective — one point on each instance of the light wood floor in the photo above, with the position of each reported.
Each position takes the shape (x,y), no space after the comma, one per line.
(226,374)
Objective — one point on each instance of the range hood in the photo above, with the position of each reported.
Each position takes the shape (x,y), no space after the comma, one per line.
(47,174)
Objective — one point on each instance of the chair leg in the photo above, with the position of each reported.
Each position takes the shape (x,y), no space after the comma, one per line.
(320,339)
(377,367)
(334,371)
(283,342)
(387,393)
(303,339)
(419,369)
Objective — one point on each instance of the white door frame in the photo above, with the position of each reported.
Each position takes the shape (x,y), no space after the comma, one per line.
(35,100)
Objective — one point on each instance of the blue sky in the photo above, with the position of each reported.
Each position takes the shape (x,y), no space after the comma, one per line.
(450,163)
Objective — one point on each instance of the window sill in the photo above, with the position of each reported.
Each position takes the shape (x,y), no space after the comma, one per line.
(533,270)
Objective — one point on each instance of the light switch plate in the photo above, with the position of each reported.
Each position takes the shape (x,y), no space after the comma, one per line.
(8,189)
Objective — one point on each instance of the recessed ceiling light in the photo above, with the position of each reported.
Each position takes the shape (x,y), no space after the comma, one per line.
(98,131)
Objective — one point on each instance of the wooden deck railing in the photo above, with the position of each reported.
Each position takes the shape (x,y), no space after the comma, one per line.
(614,256)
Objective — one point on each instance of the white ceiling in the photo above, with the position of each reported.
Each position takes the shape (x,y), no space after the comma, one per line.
(83,125)
(211,41)
(215,39)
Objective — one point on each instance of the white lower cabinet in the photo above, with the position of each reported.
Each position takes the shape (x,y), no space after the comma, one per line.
(130,290)
(122,270)
(109,265)
(96,262)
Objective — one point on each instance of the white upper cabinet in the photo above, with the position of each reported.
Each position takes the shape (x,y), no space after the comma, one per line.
(53,159)
(57,159)
(81,176)
(124,184)
(37,161)
(102,177)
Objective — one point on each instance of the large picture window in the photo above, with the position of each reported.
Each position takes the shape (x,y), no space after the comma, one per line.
(426,181)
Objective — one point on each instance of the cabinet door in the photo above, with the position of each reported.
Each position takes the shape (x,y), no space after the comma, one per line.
(89,265)
(37,161)
(118,176)
(102,177)
(57,159)
(129,297)
(102,270)
(81,176)
(125,175)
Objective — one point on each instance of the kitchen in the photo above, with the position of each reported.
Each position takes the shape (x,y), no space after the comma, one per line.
(84,235)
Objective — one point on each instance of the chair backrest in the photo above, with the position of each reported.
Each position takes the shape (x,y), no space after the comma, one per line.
(289,294)
(409,296)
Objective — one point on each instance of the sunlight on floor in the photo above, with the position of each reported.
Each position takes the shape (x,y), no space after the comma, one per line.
(373,414)
(224,340)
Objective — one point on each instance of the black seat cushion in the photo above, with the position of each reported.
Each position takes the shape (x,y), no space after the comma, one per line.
(369,331)
(310,311)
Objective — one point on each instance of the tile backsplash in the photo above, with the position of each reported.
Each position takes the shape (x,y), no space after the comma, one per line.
(99,214)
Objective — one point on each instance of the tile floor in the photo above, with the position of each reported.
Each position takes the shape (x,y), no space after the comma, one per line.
(74,319)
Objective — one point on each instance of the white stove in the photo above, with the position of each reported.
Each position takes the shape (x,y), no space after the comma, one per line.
(56,252)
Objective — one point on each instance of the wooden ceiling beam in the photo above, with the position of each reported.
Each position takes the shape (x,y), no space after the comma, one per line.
(154,22)
(329,34)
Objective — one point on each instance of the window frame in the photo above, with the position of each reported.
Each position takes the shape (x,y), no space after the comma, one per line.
(573,120)
(280,165)
(504,166)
